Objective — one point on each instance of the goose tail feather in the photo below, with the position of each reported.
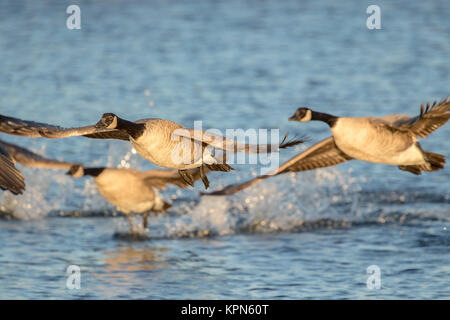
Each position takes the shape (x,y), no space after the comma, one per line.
(434,162)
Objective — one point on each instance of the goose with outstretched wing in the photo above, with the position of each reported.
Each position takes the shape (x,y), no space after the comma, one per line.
(162,142)
(391,140)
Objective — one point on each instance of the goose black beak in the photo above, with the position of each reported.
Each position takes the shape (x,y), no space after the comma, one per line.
(105,121)
(72,170)
(101,124)
(292,118)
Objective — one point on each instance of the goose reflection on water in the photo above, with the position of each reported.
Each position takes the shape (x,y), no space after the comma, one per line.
(122,266)
(130,259)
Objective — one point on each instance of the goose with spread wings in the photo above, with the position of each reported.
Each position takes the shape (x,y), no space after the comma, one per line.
(10,177)
(162,142)
(134,191)
(389,140)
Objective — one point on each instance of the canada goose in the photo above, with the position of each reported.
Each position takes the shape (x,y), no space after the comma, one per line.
(10,177)
(389,140)
(133,190)
(392,139)
(162,142)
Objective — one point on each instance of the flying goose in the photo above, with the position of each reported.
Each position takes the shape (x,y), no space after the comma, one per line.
(162,142)
(391,140)
(133,190)
(10,177)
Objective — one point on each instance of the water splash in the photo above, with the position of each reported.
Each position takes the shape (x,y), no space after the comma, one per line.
(43,194)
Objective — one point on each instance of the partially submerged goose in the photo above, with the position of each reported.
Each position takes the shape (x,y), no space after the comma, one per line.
(10,177)
(162,142)
(391,140)
(133,191)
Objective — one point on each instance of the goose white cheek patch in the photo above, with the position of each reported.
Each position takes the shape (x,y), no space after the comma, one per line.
(307,117)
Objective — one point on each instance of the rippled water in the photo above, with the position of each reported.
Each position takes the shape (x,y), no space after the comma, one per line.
(232,64)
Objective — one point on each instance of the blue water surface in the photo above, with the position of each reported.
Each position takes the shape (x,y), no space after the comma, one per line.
(232,64)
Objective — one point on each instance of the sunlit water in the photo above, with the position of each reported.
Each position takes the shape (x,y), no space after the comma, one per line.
(232,64)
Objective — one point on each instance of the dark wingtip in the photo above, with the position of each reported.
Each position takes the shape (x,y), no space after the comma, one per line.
(293,142)
(14,190)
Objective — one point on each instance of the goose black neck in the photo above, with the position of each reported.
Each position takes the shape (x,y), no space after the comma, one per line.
(94,172)
(135,130)
(325,117)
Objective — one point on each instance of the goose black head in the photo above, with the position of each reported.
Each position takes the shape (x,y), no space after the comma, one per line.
(76,171)
(108,121)
(302,114)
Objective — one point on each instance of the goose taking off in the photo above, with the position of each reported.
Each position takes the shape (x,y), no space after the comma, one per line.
(391,140)
(162,142)
(10,177)
(133,190)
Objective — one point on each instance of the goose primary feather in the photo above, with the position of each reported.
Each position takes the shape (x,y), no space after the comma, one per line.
(10,177)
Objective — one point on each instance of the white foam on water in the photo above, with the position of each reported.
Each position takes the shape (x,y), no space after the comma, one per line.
(283,203)
(45,191)
(276,204)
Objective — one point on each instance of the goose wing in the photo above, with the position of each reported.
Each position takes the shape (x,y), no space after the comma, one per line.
(160,178)
(220,142)
(10,178)
(431,117)
(30,159)
(33,129)
(323,154)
